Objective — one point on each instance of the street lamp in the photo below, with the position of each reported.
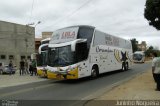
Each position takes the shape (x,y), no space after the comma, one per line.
(30,24)
(29,31)
(37,23)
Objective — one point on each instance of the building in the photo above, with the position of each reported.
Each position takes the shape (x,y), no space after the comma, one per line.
(142,46)
(46,35)
(16,42)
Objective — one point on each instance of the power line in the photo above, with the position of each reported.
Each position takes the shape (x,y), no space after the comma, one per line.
(69,15)
(31,11)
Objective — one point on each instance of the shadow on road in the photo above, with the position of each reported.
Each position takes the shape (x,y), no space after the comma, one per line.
(87,79)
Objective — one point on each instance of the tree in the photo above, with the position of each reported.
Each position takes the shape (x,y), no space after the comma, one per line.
(152,13)
(150,50)
(134,44)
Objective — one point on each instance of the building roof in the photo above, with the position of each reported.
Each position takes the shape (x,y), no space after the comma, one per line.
(15,23)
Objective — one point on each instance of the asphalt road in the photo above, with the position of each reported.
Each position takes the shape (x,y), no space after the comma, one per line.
(69,92)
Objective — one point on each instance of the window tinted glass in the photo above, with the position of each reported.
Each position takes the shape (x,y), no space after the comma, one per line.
(60,56)
(81,52)
(44,48)
(3,57)
(23,57)
(11,57)
(86,33)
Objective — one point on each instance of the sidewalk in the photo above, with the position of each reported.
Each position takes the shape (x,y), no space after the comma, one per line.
(7,80)
(142,87)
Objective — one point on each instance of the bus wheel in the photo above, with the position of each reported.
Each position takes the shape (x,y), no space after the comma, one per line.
(94,73)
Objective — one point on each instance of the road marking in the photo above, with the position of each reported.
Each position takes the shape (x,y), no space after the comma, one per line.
(26,90)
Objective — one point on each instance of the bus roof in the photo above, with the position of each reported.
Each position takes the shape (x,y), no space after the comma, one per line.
(89,26)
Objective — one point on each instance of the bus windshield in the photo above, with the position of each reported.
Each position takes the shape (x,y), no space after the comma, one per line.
(60,56)
(42,58)
(137,57)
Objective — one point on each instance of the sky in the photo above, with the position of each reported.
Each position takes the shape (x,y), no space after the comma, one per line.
(123,18)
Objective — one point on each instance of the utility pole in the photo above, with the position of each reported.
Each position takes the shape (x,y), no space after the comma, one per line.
(29,32)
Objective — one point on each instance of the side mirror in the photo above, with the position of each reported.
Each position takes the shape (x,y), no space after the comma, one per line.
(40,48)
(73,45)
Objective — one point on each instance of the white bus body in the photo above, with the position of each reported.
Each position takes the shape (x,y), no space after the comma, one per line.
(80,51)
(139,57)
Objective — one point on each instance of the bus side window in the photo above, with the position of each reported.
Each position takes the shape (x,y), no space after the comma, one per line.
(81,51)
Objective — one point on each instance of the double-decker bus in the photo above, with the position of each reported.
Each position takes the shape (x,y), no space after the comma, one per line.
(42,57)
(80,51)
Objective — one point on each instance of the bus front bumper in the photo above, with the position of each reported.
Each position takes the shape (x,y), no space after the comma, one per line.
(72,74)
(42,72)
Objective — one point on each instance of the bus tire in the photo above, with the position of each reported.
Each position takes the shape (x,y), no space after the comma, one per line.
(94,72)
(143,61)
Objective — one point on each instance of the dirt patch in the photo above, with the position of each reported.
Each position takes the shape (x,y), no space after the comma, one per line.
(141,87)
